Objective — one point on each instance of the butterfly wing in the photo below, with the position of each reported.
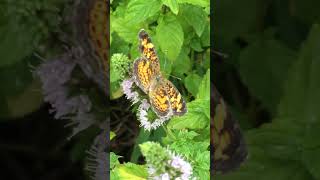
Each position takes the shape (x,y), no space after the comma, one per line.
(159,98)
(227,144)
(177,103)
(144,73)
(147,49)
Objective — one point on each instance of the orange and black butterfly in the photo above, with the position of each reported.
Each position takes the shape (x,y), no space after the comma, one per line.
(228,149)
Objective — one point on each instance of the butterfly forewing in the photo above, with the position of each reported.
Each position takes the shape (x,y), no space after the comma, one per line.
(147,49)
(144,73)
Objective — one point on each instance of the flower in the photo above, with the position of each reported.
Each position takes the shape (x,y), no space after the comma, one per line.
(143,117)
(175,168)
(127,90)
(54,75)
(97,162)
(184,167)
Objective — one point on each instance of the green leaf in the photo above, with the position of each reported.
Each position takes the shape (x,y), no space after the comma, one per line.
(170,37)
(191,82)
(288,144)
(128,32)
(194,150)
(112,135)
(15,43)
(204,88)
(201,3)
(142,137)
(236,18)
(197,117)
(132,171)
(306,10)
(263,67)
(114,160)
(302,99)
(139,10)
(205,37)
(173,5)
(114,75)
(195,44)
(195,16)
(182,65)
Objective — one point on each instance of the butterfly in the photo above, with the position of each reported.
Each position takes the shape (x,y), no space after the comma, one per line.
(228,149)
(164,97)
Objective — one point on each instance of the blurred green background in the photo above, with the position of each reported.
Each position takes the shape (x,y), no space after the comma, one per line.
(271,79)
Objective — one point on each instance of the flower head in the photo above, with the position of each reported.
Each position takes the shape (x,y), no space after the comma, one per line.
(143,117)
(164,164)
(127,90)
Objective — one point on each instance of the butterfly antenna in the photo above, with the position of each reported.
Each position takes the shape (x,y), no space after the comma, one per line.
(39,57)
(175,77)
(220,54)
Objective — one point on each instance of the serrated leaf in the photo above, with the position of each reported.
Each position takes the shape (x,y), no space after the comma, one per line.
(201,3)
(197,117)
(114,160)
(170,37)
(126,31)
(139,10)
(195,44)
(195,16)
(263,67)
(191,82)
(173,5)
(205,37)
(132,171)
(182,65)
(302,99)
(204,88)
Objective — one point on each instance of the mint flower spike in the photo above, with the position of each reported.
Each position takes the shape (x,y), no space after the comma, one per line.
(143,117)
(120,64)
(126,85)
(163,164)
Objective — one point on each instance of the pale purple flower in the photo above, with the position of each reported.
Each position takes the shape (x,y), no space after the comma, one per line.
(127,90)
(97,163)
(176,164)
(54,75)
(143,117)
(165,176)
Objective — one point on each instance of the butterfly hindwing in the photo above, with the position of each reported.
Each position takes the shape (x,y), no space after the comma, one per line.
(228,149)
(159,98)
(177,103)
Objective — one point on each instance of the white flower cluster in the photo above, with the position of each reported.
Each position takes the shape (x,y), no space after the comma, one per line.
(182,167)
(127,90)
(143,107)
(143,117)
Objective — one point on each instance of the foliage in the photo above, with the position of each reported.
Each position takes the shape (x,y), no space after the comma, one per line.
(180,33)
(25,28)
(274,47)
